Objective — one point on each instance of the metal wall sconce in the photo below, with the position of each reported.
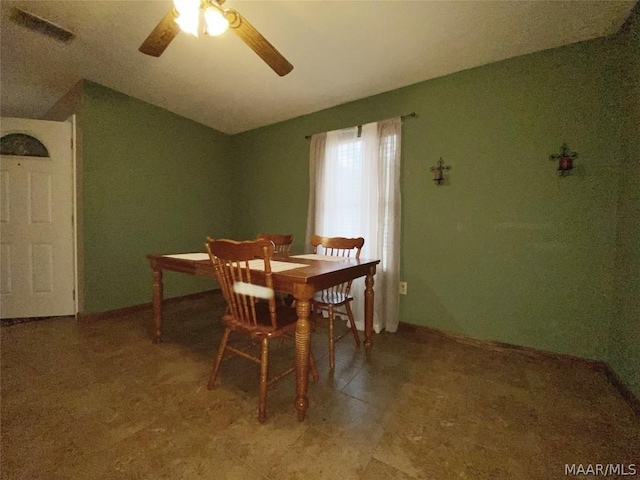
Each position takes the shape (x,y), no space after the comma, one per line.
(565,160)
(438,176)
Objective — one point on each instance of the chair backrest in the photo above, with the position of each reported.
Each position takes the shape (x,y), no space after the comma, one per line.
(281,243)
(338,247)
(231,265)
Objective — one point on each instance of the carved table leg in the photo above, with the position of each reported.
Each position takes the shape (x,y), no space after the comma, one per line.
(157,305)
(303,294)
(368,310)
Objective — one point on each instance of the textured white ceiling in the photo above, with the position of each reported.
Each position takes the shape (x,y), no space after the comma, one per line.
(341,51)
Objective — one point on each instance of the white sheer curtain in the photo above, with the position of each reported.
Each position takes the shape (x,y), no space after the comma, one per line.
(354,191)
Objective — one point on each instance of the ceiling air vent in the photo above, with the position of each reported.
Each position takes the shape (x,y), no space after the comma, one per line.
(40,25)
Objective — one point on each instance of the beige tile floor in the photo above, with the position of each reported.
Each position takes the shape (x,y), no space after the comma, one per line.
(98,400)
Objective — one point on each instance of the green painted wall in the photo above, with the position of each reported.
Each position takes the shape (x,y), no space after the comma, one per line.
(506,250)
(152,182)
(625,337)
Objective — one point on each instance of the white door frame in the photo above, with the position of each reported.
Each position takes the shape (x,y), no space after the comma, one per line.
(74,208)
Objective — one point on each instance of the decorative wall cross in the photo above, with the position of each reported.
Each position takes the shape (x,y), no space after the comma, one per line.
(438,176)
(565,160)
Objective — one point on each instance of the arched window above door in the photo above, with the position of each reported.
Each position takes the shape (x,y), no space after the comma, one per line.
(22,145)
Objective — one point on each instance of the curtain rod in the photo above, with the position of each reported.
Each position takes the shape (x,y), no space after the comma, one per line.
(408,115)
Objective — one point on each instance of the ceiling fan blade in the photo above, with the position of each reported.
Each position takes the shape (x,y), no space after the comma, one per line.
(161,36)
(254,39)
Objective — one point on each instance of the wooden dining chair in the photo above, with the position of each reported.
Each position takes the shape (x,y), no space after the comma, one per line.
(336,300)
(245,314)
(281,243)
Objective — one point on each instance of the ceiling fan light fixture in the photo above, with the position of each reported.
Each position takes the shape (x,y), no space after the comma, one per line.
(187,7)
(215,22)
(189,24)
(188,15)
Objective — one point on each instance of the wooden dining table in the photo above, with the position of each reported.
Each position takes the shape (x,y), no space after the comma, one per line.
(318,273)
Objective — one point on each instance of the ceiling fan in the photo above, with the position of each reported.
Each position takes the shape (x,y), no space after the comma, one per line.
(186,16)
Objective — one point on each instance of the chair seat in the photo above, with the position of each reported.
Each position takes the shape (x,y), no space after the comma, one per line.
(287,317)
(330,297)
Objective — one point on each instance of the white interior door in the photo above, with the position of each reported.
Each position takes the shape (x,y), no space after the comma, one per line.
(37,264)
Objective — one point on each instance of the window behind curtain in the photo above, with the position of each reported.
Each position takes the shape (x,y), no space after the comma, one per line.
(354,192)
(342,193)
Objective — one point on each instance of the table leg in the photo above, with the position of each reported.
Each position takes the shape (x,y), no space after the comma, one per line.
(303,295)
(368,310)
(157,305)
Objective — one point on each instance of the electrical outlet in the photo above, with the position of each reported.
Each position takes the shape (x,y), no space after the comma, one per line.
(403,288)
